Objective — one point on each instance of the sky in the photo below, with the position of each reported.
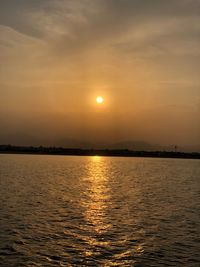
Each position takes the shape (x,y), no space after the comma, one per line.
(142,56)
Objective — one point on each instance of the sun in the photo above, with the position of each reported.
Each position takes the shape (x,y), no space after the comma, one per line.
(99,99)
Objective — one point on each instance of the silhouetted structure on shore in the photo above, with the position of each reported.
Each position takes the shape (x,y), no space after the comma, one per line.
(94,152)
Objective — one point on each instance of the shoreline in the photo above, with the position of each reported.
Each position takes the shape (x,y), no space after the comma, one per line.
(30,150)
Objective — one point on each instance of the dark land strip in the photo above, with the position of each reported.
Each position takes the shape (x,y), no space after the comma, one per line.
(10,149)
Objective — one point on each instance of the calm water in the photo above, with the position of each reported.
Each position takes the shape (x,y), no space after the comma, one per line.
(99,211)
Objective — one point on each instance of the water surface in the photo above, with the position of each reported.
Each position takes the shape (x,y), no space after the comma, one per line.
(99,211)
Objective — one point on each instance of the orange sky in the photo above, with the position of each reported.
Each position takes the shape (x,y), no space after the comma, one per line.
(141,56)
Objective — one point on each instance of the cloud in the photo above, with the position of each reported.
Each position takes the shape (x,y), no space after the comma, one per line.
(56,53)
(79,25)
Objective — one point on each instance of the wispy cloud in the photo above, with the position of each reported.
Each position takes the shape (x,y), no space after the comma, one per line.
(141,53)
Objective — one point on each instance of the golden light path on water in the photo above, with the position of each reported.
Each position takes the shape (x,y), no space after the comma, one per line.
(98,195)
(95,203)
(99,215)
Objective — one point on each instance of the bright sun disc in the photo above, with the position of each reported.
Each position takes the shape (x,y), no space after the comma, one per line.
(99,99)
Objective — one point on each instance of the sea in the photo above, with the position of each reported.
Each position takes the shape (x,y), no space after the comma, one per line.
(99,211)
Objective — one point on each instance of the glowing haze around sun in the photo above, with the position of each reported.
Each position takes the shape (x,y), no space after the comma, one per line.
(100,72)
(99,100)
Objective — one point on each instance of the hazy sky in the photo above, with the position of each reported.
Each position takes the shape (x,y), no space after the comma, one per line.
(142,56)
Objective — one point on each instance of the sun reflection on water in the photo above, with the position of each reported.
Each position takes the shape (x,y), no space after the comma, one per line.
(97,195)
(105,228)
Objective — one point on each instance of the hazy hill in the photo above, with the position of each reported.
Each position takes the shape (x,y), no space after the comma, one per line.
(28,140)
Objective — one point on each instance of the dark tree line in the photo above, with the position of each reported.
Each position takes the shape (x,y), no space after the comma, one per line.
(94,152)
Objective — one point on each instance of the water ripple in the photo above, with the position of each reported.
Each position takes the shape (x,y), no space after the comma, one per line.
(96,211)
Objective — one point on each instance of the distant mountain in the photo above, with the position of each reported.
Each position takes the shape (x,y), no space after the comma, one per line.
(136,145)
(193,148)
(144,146)
(131,145)
(28,140)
